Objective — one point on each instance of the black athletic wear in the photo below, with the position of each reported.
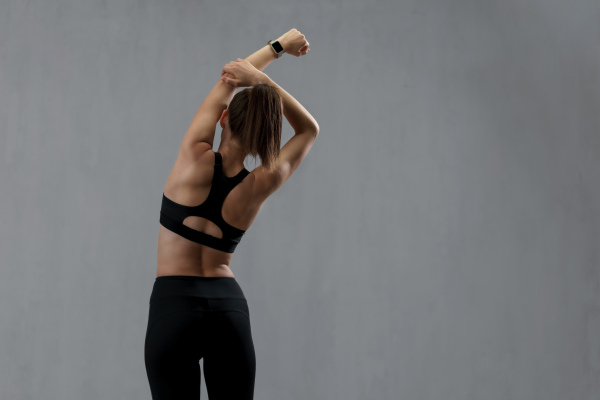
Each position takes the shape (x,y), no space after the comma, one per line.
(172,214)
(193,317)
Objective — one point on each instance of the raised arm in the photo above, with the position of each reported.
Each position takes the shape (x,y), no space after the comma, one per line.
(202,127)
(293,42)
(295,149)
(306,128)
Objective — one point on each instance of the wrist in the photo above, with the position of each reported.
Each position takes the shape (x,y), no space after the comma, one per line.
(283,44)
(261,78)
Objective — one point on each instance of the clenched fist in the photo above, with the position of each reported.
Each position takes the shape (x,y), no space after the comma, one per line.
(294,43)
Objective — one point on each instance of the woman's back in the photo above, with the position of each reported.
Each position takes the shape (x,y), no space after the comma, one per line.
(193,238)
(198,311)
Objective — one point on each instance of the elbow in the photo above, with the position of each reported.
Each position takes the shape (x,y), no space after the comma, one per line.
(316,128)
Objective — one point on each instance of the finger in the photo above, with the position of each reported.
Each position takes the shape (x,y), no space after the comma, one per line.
(229,81)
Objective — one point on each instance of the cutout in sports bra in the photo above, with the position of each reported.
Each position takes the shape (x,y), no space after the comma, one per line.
(172,214)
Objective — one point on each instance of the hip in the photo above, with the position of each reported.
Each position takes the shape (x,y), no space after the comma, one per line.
(207,294)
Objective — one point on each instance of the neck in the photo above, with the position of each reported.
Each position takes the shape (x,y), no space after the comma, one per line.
(232,152)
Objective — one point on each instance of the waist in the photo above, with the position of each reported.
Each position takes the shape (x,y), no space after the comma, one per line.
(210,287)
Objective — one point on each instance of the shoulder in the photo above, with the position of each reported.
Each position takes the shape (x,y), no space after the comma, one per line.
(196,152)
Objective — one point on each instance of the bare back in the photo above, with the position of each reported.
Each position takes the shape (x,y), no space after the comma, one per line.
(189,184)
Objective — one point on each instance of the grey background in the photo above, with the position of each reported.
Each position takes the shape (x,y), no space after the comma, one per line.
(440,241)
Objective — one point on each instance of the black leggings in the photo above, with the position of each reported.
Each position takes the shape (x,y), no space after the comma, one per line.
(194,317)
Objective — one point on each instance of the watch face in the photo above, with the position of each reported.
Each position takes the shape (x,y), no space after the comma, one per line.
(277,46)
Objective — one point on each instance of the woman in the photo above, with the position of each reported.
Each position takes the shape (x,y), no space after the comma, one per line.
(197,308)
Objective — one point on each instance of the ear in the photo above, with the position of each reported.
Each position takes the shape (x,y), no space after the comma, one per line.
(223,119)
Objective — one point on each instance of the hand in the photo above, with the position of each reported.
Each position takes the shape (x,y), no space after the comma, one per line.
(244,73)
(294,43)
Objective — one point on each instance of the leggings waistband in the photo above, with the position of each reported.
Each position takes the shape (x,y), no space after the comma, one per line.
(212,287)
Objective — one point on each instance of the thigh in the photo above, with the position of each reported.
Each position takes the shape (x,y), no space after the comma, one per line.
(171,355)
(230,363)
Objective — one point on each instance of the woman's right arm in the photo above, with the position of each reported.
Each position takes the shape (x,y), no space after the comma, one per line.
(298,117)
(305,126)
(293,152)
(245,74)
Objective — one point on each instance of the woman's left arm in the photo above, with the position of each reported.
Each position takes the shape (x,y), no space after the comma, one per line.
(261,58)
(202,128)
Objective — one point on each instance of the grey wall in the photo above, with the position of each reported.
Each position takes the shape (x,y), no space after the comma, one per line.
(440,241)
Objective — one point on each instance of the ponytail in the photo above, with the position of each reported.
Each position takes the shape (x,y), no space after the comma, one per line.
(255,117)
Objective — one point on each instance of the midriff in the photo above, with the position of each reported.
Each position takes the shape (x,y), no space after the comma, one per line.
(179,256)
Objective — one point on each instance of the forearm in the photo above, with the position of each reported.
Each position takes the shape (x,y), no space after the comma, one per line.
(261,58)
(298,116)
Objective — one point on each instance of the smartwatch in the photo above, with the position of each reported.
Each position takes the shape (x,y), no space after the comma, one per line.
(277,47)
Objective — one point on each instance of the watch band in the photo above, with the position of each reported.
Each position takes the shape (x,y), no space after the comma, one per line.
(274,45)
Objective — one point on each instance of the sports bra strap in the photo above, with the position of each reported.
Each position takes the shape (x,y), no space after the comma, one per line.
(173,214)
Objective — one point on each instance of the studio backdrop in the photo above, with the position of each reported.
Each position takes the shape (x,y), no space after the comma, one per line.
(440,241)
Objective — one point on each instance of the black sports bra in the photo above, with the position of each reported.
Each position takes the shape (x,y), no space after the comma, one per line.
(172,214)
